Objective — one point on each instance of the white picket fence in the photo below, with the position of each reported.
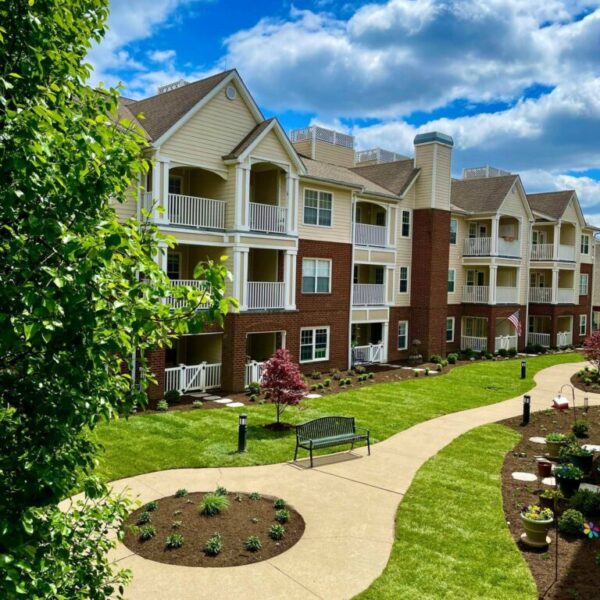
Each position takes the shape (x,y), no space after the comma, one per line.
(373,353)
(254,372)
(564,338)
(479,344)
(538,339)
(187,378)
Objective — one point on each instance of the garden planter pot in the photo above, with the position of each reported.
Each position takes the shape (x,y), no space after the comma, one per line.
(536,532)
(568,486)
(544,468)
(554,448)
(585,463)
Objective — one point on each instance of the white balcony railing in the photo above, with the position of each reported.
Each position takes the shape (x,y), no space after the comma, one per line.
(542,251)
(265,294)
(370,235)
(193,211)
(564,338)
(538,339)
(197,283)
(566,252)
(186,378)
(565,296)
(507,295)
(477,294)
(505,342)
(479,344)
(540,295)
(368,294)
(509,248)
(267,218)
(477,246)
(373,353)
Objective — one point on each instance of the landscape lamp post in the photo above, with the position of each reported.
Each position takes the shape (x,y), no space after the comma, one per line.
(242,432)
(523,369)
(526,409)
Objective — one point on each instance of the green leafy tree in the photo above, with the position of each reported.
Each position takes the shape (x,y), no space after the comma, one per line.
(80,294)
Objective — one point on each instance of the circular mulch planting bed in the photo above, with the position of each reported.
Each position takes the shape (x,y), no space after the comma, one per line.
(247,517)
(587,380)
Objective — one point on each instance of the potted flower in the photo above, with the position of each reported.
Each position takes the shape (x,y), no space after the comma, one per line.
(544,467)
(554,442)
(536,523)
(552,499)
(580,457)
(568,477)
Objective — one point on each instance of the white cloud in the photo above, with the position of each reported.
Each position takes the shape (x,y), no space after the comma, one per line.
(162,56)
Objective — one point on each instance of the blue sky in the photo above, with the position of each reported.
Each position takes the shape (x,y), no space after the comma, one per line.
(515,82)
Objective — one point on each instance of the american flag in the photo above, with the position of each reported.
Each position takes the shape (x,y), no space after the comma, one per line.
(514,319)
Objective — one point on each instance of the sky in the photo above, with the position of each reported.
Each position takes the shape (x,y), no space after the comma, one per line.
(515,82)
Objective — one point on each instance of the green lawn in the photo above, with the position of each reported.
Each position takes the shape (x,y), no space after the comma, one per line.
(208,438)
(451,536)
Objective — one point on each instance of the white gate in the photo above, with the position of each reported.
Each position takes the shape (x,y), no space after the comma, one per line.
(373,353)
(254,372)
(187,378)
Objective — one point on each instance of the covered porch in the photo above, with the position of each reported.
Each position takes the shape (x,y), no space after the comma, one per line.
(259,348)
(371,224)
(267,210)
(474,334)
(506,337)
(369,343)
(369,285)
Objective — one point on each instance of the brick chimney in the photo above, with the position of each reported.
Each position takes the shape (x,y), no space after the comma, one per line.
(431,242)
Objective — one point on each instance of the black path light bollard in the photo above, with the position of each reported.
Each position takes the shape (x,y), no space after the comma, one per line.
(523,369)
(242,432)
(526,409)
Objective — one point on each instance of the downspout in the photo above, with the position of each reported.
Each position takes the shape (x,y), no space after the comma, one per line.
(528,251)
(352,226)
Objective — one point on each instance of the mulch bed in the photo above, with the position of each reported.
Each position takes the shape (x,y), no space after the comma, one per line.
(593,387)
(243,519)
(578,575)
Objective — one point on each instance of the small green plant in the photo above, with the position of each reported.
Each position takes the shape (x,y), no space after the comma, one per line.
(436,359)
(176,524)
(252,397)
(320,386)
(327,382)
(536,513)
(254,387)
(151,506)
(489,355)
(213,504)
(214,544)
(568,471)
(197,404)
(238,498)
(253,543)
(371,375)
(348,381)
(426,371)
(279,504)
(586,502)
(313,387)
(143,518)
(580,428)
(176,513)
(282,516)
(416,373)
(512,352)
(254,496)
(172,396)
(174,540)
(503,352)
(221,491)
(551,494)
(147,533)
(181,493)
(162,406)
(560,438)
(571,522)
(315,375)
(452,358)
(359,369)
(439,368)
(276,531)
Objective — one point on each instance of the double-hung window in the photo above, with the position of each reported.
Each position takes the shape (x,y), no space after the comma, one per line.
(583,284)
(317,208)
(316,276)
(450,329)
(174,265)
(405,223)
(403,276)
(175,184)
(582,324)
(453,230)
(402,335)
(314,344)
(451,280)
(585,244)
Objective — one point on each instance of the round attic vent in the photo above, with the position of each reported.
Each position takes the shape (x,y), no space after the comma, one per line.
(230,92)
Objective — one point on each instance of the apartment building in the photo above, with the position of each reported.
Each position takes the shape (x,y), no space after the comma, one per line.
(342,256)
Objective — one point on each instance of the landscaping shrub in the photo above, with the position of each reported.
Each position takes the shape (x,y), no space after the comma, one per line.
(253,543)
(174,540)
(327,382)
(213,545)
(315,375)
(151,506)
(213,504)
(586,502)
(172,396)
(276,531)
(529,349)
(348,381)
(436,358)
(254,388)
(254,496)
(282,516)
(197,404)
(335,374)
(143,518)
(452,358)
(147,532)
(252,398)
(571,522)
(371,375)
(279,503)
(489,355)
(359,369)
(512,352)
(580,428)
(503,352)
(176,524)
(426,371)
(221,491)
(439,368)
(162,406)
(313,387)
(320,386)
(468,353)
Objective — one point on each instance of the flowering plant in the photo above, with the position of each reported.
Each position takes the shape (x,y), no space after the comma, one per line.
(591,530)
(537,513)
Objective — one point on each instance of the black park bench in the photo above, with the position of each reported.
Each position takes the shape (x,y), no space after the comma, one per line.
(328,431)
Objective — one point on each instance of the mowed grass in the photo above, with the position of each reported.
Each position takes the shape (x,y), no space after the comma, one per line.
(451,537)
(208,438)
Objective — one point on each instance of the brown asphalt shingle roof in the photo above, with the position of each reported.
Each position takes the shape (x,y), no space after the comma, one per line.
(162,111)
(481,195)
(552,204)
(249,139)
(395,176)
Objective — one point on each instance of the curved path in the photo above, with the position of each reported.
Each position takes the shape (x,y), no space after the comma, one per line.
(348,501)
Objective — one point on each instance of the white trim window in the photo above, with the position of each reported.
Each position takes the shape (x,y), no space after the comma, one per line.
(402,335)
(453,231)
(175,184)
(174,265)
(403,280)
(450,321)
(318,208)
(585,244)
(595,320)
(582,324)
(583,284)
(316,276)
(314,344)
(405,223)
(451,281)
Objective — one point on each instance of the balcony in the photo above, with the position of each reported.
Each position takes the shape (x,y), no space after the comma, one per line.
(540,295)
(565,296)
(193,211)
(477,246)
(542,251)
(178,303)
(268,218)
(370,235)
(368,294)
(507,295)
(566,252)
(510,248)
(475,294)
(265,295)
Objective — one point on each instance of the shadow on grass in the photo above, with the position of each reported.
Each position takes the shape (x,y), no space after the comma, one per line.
(261,432)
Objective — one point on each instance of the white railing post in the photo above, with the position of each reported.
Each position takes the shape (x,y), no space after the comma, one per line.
(182,378)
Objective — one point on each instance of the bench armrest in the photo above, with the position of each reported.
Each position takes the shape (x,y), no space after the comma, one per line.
(361,429)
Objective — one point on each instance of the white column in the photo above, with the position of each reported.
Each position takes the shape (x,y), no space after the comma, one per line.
(298,205)
(161,256)
(156,190)
(390,221)
(240,275)
(289,278)
(494,242)
(556,240)
(555,286)
(239,197)
(292,204)
(385,335)
(492,284)
(389,284)
(246,199)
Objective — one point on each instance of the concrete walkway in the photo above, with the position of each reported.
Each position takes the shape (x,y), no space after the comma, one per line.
(348,501)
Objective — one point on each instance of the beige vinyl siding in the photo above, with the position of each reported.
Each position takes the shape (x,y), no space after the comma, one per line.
(341,218)
(444,159)
(126,210)
(304,148)
(404,247)
(334,155)
(455,260)
(432,158)
(587,258)
(271,148)
(214,131)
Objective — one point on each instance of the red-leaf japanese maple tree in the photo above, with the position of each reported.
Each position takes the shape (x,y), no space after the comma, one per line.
(591,349)
(281,378)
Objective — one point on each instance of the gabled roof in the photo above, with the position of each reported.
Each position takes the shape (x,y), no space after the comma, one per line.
(162,111)
(249,140)
(484,195)
(395,176)
(550,204)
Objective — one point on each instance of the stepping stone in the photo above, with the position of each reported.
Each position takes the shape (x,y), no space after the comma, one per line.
(433,372)
(220,400)
(590,487)
(519,476)
(537,440)
(549,481)
(311,396)
(212,398)
(419,370)
(234,404)
(592,447)
(197,394)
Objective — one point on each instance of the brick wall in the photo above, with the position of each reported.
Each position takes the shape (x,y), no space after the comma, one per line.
(398,313)
(156,363)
